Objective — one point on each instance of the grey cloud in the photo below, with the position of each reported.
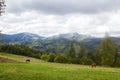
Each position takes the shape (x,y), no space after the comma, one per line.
(115,32)
(63,6)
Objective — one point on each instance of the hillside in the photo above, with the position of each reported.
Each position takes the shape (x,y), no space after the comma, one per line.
(21,37)
(7,60)
(39,70)
(17,58)
(58,43)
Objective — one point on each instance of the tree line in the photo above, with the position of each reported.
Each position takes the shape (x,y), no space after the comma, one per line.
(20,50)
(107,54)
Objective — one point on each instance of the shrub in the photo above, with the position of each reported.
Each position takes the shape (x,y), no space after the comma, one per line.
(61,59)
(86,61)
(73,60)
(51,57)
(45,57)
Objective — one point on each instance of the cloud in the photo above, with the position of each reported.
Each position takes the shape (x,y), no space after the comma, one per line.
(52,17)
(48,25)
(41,24)
(63,6)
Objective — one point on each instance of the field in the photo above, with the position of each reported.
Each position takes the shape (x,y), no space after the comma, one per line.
(40,70)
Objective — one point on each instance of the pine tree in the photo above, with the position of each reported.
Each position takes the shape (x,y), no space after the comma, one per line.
(107,51)
(83,56)
(72,52)
(82,51)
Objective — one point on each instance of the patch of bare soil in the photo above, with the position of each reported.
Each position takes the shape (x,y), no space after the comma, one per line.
(7,60)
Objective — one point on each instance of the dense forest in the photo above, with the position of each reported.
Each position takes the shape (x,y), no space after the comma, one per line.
(20,50)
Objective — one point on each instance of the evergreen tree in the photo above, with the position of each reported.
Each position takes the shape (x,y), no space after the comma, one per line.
(107,51)
(72,52)
(83,56)
(117,57)
(82,51)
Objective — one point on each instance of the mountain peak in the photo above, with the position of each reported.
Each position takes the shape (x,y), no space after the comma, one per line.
(20,37)
(70,36)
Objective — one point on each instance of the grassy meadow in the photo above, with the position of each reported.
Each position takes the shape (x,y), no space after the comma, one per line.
(40,70)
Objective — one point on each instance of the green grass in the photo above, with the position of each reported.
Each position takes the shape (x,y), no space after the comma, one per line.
(39,70)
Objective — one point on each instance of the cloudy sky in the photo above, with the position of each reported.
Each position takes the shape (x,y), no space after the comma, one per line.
(52,17)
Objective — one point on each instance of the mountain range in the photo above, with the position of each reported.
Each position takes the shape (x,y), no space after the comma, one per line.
(58,43)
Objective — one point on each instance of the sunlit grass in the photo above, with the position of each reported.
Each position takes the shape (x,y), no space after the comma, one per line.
(18,57)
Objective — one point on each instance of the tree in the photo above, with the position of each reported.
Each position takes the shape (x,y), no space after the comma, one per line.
(45,57)
(82,51)
(52,57)
(117,57)
(61,59)
(72,52)
(83,56)
(107,51)
(85,60)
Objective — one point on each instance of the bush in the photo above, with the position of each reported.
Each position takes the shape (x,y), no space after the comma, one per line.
(51,57)
(73,60)
(86,61)
(117,64)
(61,59)
(45,57)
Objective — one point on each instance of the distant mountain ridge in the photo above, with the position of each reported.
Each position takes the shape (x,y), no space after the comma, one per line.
(21,37)
(58,43)
(70,36)
(31,36)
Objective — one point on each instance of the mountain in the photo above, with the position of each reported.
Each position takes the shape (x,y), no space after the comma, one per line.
(21,37)
(70,36)
(59,43)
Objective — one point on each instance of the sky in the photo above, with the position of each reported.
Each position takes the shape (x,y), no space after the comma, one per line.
(53,17)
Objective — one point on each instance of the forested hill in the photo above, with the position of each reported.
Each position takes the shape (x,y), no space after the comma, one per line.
(21,37)
(59,43)
(20,50)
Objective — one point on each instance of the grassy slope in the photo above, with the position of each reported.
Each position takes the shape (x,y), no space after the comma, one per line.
(38,70)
